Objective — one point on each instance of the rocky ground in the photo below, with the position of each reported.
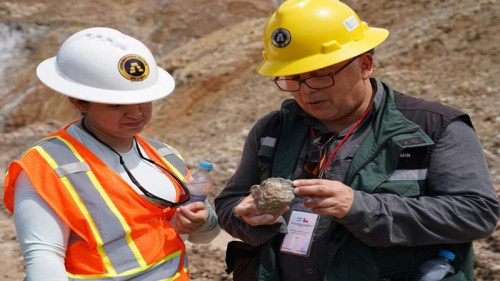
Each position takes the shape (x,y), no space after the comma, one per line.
(445,51)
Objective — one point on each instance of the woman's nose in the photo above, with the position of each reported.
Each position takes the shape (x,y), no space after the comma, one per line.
(133,111)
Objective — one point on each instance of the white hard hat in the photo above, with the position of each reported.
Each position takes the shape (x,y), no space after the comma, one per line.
(106,66)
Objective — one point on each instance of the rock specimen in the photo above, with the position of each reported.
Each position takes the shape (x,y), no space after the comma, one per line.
(272,195)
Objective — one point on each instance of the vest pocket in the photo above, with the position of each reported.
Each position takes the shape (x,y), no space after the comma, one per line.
(413,188)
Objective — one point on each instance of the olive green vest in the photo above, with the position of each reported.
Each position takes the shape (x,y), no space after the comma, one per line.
(373,163)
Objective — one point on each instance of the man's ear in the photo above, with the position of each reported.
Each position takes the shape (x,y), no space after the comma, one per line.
(366,63)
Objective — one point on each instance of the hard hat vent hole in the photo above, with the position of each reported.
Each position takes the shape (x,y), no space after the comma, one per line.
(118,44)
(364,26)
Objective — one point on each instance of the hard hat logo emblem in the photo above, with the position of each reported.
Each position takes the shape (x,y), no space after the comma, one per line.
(133,67)
(281,38)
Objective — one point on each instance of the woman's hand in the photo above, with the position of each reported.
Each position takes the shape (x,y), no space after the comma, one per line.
(326,197)
(190,217)
(247,210)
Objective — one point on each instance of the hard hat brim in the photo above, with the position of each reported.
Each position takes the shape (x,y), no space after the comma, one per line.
(49,75)
(372,38)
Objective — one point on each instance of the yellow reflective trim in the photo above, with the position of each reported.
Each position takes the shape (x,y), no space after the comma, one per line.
(129,272)
(177,275)
(81,207)
(97,185)
(26,151)
(172,167)
(133,247)
(165,161)
(171,278)
(34,145)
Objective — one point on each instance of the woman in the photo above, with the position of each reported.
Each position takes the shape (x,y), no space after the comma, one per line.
(95,200)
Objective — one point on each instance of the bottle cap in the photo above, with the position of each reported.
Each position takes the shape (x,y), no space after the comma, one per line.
(204,165)
(447,255)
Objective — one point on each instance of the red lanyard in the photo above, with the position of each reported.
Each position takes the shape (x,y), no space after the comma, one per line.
(349,133)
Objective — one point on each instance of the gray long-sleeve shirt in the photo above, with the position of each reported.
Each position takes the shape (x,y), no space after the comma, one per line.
(44,236)
(460,204)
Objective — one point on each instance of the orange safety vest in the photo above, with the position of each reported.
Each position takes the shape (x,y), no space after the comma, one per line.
(119,234)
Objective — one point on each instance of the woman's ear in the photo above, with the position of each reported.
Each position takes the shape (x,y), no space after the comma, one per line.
(80,105)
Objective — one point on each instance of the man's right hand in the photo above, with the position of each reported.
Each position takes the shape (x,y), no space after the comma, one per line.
(247,210)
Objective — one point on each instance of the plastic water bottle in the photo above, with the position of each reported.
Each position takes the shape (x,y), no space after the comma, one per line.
(200,183)
(436,269)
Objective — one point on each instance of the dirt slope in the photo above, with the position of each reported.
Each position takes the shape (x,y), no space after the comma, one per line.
(446,51)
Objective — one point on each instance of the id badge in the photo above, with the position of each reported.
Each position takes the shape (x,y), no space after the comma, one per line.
(301,227)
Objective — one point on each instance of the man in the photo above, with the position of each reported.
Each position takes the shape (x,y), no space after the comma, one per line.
(383,181)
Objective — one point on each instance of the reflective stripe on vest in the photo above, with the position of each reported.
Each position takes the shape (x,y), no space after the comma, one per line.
(268,141)
(154,272)
(408,175)
(172,157)
(109,228)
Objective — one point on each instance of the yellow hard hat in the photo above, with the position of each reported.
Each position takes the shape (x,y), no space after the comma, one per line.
(306,35)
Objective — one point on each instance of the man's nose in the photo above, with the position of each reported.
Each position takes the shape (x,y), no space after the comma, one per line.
(305,89)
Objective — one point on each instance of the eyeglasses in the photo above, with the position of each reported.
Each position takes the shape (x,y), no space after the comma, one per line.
(316,82)
(314,160)
(183,198)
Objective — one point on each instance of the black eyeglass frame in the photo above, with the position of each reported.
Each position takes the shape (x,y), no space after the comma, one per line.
(149,194)
(162,201)
(277,80)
